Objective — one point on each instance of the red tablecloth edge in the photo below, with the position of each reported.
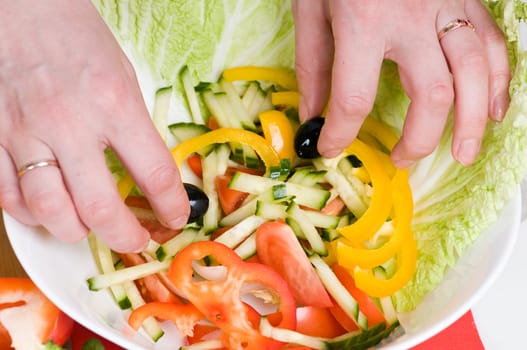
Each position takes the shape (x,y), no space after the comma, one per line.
(462,334)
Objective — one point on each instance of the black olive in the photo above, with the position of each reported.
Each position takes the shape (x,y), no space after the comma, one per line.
(199,202)
(355,162)
(306,138)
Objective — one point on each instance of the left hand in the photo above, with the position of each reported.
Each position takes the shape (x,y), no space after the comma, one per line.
(340,48)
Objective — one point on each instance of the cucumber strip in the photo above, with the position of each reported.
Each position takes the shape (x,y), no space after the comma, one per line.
(290,336)
(309,230)
(215,102)
(105,262)
(321,220)
(238,233)
(248,97)
(161,108)
(191,96)
(237,108)
(150,325)
(347,192)
(299,174)
(116,277)
(249,208)
(338,291)
(390,314)
(213,165)
(247,248)
(175,244)
(270,210)
(308,196)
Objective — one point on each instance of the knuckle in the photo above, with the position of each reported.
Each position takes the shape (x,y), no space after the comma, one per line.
(160,180)
(46,204)
(493,36)
(98,211)
(354,105)
(112,90)
(439,94)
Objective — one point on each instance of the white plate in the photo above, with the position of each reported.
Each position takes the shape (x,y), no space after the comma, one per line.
(61,270)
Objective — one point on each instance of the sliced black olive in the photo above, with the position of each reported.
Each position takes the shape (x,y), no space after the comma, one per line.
(199,202)
(306,138)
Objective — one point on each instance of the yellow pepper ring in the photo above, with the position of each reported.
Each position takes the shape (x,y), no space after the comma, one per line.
(266,152)
(350,257)
(187,147)
(381,132)
(377,287)
(279,76)
(381,202)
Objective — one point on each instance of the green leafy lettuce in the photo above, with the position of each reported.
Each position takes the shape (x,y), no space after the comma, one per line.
(454,204)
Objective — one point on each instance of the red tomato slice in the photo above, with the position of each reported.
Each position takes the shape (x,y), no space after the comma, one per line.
(230,200)
(151,287)
(334,206)
(342,318)
(194,163)
(20,298)
(366,305)
(317,322)
(278,247)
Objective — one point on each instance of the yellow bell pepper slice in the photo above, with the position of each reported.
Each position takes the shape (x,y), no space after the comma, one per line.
(278,131)
(381,201)
(406,254)
(286,98)
(183,150)
(381,132)
(376,287)
(350,257)
(279,76)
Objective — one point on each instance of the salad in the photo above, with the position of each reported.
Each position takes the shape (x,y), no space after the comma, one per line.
(452,204)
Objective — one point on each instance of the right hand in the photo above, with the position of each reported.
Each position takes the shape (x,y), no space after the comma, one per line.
(67,92)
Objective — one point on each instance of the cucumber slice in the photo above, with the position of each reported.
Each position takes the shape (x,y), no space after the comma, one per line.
(247,248)
(238,233)
(183,131)
(190,95)
(339,292)
(175,244)
(161,109)
(310,232)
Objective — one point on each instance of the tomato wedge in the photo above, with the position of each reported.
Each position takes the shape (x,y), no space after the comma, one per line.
(230,199)
(317,322)
(20,298)
(194,163)
(221,300)
(366,305)
(278,247)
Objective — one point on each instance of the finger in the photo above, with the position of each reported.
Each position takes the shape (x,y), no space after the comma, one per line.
(498,60)
(426,79)
(313,56)
(44,192)
(11,199)
(356,67)
(98,203)
(469,66)
(148,160)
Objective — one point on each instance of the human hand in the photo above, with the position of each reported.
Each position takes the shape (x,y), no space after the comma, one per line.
(340,45)
(67,92)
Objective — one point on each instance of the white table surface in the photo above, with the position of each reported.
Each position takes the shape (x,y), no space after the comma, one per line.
(500,314)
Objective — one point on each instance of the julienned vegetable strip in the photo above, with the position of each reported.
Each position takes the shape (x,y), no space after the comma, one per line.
(381,201)
(350,257)
(286,98)
(279,76)
(381,132)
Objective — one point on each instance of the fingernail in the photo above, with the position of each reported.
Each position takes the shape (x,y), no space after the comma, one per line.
(403,163)
(178,222)
(499,106)
(467,151)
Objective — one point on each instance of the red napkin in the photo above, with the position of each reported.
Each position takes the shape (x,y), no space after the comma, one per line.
(463,334)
